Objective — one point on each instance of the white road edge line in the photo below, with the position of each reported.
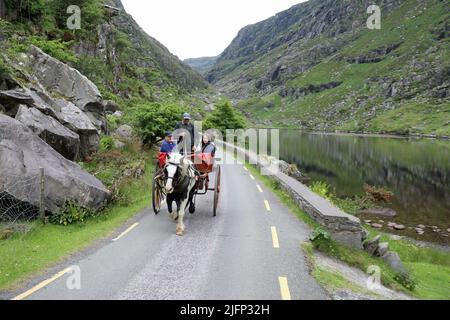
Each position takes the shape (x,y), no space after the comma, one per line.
(126,231)
(41,285)
(244,168)
(276,243)
(284,288)
(252,177)
(266,203)
(259,188)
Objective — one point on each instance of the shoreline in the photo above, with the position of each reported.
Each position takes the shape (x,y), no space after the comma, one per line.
(365,134)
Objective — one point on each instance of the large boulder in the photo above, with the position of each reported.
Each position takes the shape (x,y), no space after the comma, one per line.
(58,77)
(63,80)
(124,133)
(76,120)
(22,153)
(63,140)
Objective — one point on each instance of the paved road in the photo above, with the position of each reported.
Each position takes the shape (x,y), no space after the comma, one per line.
(251,250)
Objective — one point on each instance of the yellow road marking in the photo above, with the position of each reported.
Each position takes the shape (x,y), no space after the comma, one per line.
(259,188)
(41,285)
(126,231)
(284,288)
(276,244)
(267,205)
(245,168)
(253,178)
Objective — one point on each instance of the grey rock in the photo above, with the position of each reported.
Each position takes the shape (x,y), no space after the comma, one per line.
(111,107)
(371,246)
(399,227)
(22,153)
(118,114)
(60,78)
(118,144)
(382,249)
(60,138)
(377,225)
(395,237)
(393,260)
(124,132)
(76,120)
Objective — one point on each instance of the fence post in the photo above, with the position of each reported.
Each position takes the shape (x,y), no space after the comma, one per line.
(41,195)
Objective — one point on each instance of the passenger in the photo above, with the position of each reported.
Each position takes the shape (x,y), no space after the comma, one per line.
(167,146)
(208,146)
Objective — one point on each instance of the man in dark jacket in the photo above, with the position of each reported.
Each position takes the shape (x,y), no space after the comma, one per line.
(185,124)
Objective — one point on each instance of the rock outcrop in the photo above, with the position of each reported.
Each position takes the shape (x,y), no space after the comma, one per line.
(22,153)
(54,89)
(60,138)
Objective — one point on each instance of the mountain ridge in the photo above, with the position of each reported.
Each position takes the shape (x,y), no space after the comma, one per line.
(317,66)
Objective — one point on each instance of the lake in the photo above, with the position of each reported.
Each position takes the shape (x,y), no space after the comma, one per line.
(416,170)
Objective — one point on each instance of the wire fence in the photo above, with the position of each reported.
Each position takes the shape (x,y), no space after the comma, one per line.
(21,200)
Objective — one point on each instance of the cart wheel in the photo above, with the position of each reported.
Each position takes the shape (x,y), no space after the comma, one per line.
(157,194)
(216,190)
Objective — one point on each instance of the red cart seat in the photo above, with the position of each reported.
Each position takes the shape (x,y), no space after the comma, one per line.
(203,162)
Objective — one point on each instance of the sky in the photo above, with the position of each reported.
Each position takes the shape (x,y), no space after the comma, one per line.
(199,28)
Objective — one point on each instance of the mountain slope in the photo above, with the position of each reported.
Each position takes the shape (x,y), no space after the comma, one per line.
(110,48)
(317,66)
(202,65)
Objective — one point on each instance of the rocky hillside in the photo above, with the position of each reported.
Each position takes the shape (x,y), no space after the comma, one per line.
(317,66)
(202,65)
(63,92)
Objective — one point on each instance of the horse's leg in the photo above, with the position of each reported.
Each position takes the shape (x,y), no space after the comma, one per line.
(169,207)
(180,224)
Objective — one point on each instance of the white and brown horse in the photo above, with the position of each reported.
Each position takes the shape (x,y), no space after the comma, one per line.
(180,186)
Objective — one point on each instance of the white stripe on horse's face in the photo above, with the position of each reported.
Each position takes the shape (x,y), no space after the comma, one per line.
(171,171)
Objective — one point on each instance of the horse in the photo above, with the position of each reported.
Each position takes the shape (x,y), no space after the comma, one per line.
(180,186)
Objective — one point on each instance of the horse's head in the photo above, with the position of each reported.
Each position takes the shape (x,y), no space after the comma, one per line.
(174,165)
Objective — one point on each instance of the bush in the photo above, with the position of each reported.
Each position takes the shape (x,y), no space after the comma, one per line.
(224,117)
(106,143)
(56,48)
(323,189)
(153,120)
(71,213)
(4,70)
(378,194)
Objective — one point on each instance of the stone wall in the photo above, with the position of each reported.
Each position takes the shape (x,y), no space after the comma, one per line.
(343,228)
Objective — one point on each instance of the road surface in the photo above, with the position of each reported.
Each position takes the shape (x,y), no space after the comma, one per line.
(251,250)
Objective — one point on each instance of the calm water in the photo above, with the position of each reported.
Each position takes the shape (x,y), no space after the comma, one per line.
(416,170)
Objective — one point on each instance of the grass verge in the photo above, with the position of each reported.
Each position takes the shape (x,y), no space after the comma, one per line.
(24,255)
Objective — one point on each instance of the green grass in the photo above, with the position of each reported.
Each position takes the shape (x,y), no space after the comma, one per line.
(26,255)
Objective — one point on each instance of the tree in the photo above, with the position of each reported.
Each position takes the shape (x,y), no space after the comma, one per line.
(154,120)
(224,117)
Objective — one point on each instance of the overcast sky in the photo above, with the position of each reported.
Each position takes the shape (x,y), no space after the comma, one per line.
(197,28)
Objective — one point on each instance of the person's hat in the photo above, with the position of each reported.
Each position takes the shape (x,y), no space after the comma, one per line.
(187,116)
(168,133)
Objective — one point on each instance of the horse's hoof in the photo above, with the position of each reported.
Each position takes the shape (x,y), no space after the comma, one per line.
(180,233)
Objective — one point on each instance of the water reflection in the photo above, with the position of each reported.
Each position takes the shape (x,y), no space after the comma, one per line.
(416,170)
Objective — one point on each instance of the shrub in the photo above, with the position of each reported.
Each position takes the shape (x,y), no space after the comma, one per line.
(56,48)
(323,189)
(224,117)
(378,194)
(106,143)
(153,120)
(4,70)
(71,213)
